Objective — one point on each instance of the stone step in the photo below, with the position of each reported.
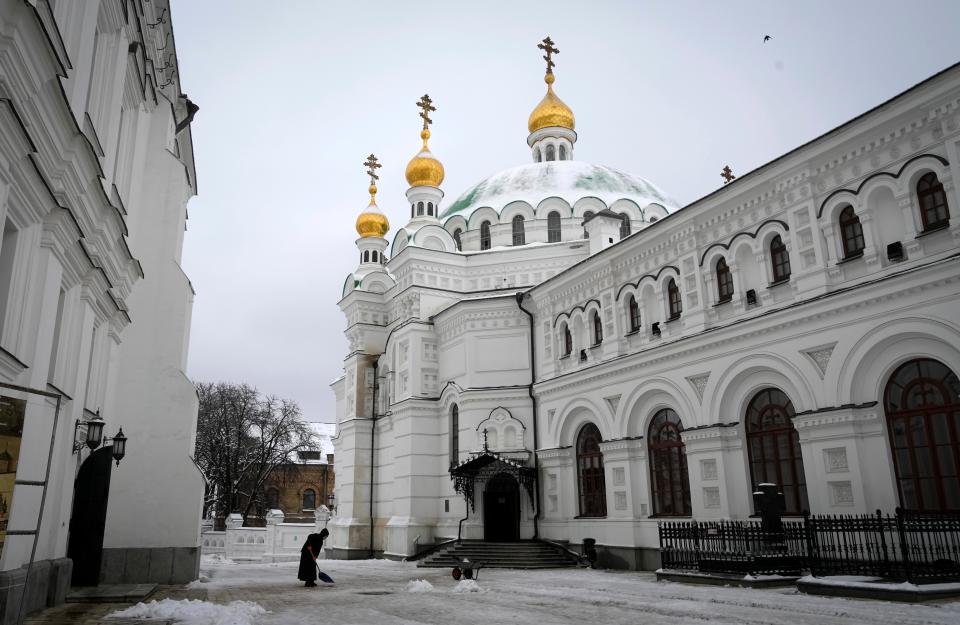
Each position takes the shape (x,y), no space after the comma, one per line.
(519,555)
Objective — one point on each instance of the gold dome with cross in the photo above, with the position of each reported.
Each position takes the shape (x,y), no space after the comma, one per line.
(551,111)
(424,170)
(372,222)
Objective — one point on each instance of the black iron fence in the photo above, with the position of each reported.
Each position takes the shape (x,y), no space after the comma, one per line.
(919,547)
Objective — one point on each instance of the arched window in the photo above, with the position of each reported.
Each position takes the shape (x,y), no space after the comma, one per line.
(774,447)
(724,282)
(456,239)
(430,209)
(553,227)
(485,235)
(633,312)
(851,233)
(624,225)
(273,499)
(454,435)
(934,211)
(567,340)
(597,329)
(593,498)
(670,484)
(780,259)
(922,403)
(366,256)
(419,208)
(673,299)
(563,152)
(536,155)
(587,216)
(519,237)
(309,499)
(551,153)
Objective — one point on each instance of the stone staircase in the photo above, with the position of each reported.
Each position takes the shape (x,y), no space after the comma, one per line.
(525,554)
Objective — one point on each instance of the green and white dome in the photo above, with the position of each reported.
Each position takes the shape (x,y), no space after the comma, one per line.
(568,180)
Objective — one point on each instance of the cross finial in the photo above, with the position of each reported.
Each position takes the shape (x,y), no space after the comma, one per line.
(548,47)
(426,107)
(727,174)
(372,166)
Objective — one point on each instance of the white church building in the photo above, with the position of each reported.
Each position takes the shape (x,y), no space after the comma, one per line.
(563,352)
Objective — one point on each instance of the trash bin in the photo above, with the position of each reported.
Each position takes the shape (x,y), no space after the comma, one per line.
(590,550)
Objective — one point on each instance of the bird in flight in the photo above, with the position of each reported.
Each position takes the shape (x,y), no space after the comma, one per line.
(767,38)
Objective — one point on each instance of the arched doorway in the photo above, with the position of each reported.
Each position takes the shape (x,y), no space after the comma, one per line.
(501,509)
(922,404)
(89,519)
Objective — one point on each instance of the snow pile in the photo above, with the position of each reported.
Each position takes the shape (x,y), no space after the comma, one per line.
(195,612)
(419,585)
(198,583)
(215,558)
(468,585)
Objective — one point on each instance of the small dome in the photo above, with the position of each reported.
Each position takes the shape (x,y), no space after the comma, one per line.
(372,222)
(551,111)
(424,170)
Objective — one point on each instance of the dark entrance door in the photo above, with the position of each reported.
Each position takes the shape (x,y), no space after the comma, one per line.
(89,519)
(501,509)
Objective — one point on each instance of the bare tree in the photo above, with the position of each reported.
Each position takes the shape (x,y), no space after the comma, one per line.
(241,438)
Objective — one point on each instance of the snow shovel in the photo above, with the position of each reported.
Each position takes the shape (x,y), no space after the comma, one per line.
(323,576)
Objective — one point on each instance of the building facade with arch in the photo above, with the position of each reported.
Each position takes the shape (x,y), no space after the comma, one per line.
(800,325)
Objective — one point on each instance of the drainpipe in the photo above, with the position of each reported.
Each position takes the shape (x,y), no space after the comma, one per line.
(536,417)
(373,429)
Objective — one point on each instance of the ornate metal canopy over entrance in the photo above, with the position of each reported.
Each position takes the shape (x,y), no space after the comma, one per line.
(483,467)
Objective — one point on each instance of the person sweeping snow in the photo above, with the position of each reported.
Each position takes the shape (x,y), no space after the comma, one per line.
(308,557)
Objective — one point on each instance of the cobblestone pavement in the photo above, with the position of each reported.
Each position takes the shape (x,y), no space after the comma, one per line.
(95,613)
(376,592)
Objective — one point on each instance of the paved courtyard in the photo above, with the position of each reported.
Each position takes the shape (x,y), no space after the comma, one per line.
(379,591)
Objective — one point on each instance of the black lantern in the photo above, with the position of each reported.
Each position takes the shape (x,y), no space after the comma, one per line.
(94,432)
(119,446)
(93,436)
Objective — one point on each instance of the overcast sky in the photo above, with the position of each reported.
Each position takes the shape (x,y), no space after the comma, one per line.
(294,94)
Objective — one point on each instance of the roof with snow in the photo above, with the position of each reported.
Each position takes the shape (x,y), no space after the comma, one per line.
(569,180)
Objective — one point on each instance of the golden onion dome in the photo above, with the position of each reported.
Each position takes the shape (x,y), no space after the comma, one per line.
(424,170)
(551,111)
(372,222)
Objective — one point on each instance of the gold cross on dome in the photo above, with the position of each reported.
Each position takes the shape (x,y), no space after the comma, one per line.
(372,166)
(727,174)
(426,107)
(548,47)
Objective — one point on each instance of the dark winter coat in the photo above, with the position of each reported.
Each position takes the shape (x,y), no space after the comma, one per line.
(308,554)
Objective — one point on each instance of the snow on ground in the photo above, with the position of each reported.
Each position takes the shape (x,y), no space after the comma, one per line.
(419,585)
(369,592)
(193,612)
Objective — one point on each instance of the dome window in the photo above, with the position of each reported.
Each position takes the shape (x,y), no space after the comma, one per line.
(551,153)
(485,235)
(456,239)
(553,227)
(519,236)
(536,155)
(430,209)
(419,209)
(563,152)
